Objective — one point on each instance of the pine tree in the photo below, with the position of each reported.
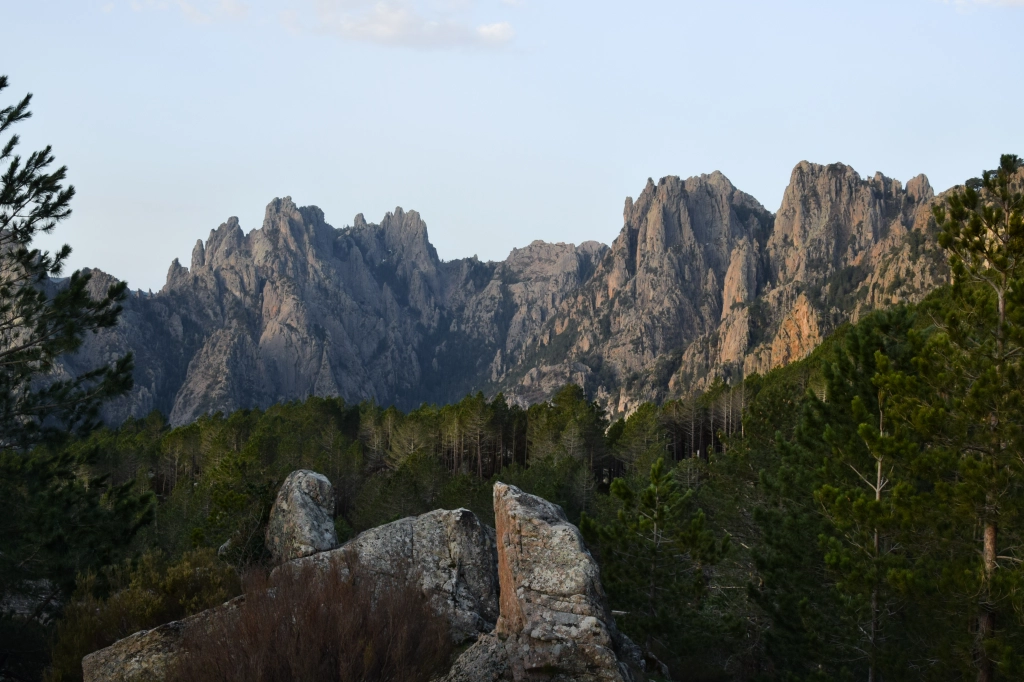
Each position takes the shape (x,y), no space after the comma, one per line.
(643,439)
(653,556)
(57,521)
(863,544)
(38,324)
(805,638)
(804,629)
(968,410)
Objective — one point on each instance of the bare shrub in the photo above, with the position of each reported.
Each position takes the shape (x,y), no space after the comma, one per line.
(140,595)
(327,624)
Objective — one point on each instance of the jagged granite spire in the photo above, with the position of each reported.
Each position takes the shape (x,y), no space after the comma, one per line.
(701,282)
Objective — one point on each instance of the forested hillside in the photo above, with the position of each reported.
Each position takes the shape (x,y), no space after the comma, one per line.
(819,522)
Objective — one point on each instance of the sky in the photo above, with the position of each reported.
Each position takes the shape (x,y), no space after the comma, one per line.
(500,121)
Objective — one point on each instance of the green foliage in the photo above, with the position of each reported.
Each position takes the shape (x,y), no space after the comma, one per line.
(569,426)
(908,473)
(803,638)
(641,441)
(856,514)
(40,322)
(654,556)
(964,484)
(863,542)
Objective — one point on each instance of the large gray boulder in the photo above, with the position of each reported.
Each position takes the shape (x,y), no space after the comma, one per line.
(302,518)
(449,553)
(555,623)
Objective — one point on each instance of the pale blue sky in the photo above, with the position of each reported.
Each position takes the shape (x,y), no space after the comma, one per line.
(501,121)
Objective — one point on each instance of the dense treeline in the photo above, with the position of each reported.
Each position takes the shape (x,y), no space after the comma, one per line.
(214,481)
(215,478)
(758,570)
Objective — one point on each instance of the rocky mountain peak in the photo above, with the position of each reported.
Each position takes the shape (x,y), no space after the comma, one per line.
(658,287)
(223,242)
(830,214)
(298,308)
(704,282)
(198,255)
(405,235)
(289,237)
(701,282)
(919,189)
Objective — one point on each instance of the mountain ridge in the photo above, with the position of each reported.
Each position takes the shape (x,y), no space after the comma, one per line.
(702,282)
(839,246)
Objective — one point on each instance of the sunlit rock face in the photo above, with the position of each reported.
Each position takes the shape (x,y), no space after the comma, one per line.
(299,308)
(555,623)
(703,282)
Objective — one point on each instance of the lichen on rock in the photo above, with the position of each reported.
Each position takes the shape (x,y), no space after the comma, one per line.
(302,518)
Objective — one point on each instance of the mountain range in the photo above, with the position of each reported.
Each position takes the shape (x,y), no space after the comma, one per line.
(703,282)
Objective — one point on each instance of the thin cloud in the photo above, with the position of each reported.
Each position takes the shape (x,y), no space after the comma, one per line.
(289,20)
(410,23)
(235,9)
(970,4)
(196,11)
(496,34)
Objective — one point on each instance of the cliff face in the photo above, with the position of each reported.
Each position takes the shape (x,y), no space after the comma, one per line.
(689,251)
(298,308)
(702,282)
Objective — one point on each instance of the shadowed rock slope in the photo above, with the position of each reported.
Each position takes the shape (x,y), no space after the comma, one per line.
(299,308)
(701,282)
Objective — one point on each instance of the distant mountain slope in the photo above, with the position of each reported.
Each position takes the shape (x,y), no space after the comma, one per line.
(702,281)
(298,308)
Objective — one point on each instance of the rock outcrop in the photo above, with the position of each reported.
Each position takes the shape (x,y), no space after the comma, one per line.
(450,554)
(551,622)
(555,623)
(299,308)
(702,282)
(658,289)
(302,518)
